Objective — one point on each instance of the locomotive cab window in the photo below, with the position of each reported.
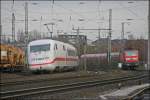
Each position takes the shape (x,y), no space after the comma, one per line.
(39,48)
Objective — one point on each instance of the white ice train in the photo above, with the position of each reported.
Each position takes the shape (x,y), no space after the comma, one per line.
(51,55)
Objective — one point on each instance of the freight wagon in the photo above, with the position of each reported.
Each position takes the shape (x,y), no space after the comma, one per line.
(12,57)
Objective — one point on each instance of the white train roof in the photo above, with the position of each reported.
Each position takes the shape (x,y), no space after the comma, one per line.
(45,41)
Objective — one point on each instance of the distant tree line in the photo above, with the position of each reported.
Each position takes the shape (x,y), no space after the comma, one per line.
(32,35)
(98,46)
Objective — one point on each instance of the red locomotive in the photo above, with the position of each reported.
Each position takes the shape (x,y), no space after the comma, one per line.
(129,59)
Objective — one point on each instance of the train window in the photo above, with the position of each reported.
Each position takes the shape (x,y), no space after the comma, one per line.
(71,52)
(75,53)
(55,47)
(39,48)
(64,48)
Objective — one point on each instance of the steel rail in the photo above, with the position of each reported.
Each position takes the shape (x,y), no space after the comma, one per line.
(64,87)
(18,82)
(40,80)
(136,93)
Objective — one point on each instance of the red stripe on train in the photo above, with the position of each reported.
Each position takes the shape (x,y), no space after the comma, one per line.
(131,56)
(56,59)
(131,60)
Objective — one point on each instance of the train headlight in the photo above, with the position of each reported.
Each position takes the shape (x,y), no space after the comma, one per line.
(128,58)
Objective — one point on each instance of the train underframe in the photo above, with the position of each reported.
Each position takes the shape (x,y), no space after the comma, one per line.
(5,67)
(131,66)
(56,69)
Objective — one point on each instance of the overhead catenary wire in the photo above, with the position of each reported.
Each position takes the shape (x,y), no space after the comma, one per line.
(128,9)
(73,12)
(116,8)
(70,12)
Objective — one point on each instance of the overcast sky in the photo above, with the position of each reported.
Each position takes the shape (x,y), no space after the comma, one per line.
(66,14)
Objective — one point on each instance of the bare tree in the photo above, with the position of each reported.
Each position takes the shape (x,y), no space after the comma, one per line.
(20,35)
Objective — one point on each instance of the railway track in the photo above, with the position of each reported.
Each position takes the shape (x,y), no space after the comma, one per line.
(46,81)
(32,79)
(65,87)
(40,80)
(7,79)
(139,95)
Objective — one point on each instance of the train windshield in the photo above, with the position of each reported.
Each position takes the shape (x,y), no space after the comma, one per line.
(39,48)
(131,53)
